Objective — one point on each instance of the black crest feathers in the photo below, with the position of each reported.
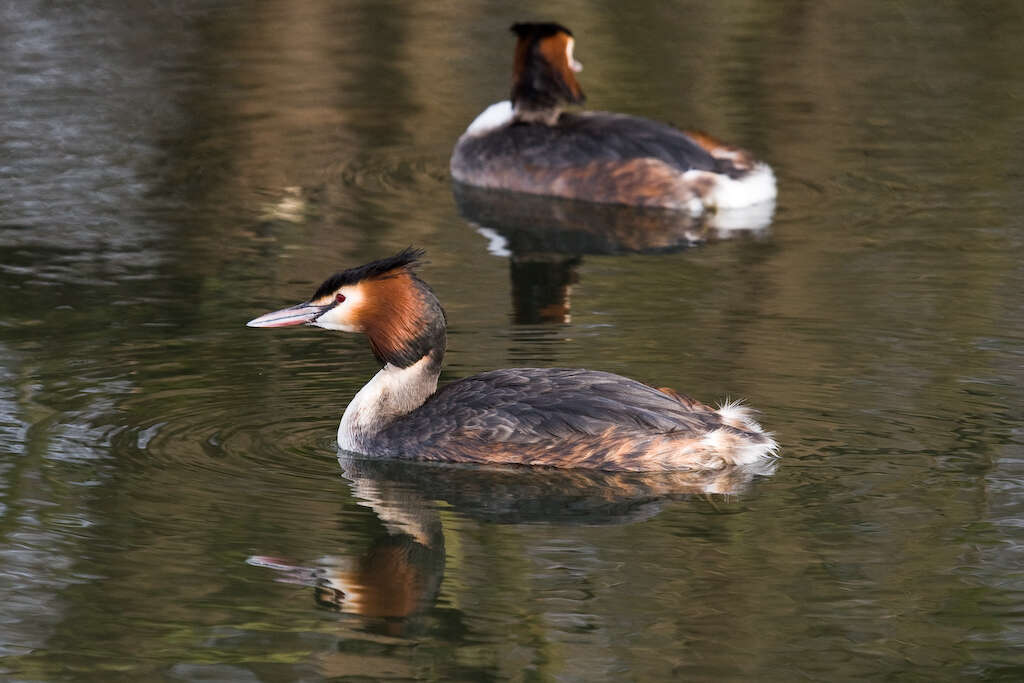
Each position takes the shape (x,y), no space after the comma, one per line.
(537,31)
(408,258)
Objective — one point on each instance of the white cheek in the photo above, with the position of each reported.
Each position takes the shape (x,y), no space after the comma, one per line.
(573,64)
(342,317)
(323,322)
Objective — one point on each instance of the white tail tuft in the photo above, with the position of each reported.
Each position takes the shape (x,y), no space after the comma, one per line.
(735,414)
(738,415)
(753,187)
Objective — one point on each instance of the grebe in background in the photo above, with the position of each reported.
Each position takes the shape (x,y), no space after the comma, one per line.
(521,416)
(530,145)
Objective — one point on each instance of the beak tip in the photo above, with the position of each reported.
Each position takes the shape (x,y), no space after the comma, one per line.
(286,317)
(257,322)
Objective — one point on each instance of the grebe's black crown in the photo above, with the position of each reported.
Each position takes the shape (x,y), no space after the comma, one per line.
(537,31)
(408,258)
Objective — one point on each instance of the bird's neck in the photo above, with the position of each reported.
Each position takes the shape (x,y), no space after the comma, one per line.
(528,112)
(539,86)
(392,393)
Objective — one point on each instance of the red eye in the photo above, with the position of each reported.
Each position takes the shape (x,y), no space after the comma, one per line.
(339,297)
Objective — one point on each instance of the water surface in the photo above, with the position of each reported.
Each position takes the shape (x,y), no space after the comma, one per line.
(171,502)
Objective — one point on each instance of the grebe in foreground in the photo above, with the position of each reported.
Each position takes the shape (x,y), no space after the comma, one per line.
(521,416)
(530,145)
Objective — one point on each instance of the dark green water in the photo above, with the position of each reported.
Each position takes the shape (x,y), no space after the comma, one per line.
(171,502)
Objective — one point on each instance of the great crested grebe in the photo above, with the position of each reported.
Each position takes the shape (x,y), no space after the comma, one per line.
(530,145)
(553,417)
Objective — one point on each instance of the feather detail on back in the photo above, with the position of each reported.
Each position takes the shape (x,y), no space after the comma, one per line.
(569,418)
(610,158)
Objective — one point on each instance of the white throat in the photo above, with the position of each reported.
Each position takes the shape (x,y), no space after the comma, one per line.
(392,393)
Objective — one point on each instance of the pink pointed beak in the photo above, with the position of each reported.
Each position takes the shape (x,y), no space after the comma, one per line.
(299,314)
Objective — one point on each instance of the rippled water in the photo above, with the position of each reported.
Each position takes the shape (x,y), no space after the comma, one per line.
(171,502)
